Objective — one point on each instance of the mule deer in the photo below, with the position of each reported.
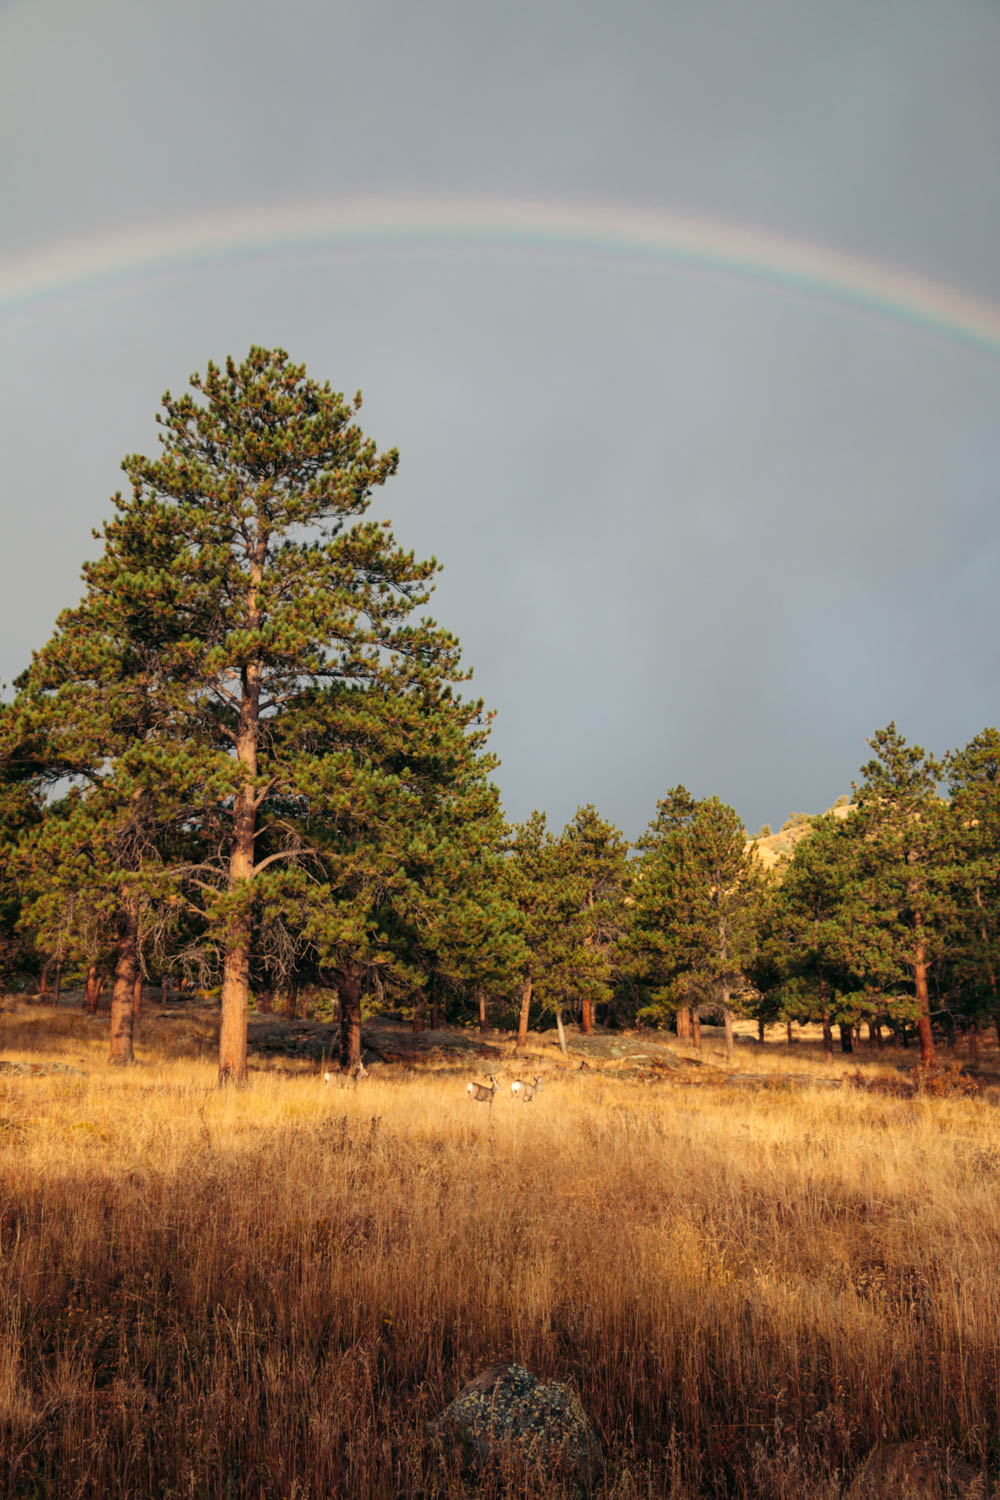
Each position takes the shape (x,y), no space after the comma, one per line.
(526,1091)
(480,1093)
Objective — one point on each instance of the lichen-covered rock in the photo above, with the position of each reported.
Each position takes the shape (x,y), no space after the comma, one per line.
(505,1414)
(918,1471)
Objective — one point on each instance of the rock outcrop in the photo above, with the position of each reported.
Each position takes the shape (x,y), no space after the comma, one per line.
(507,1417)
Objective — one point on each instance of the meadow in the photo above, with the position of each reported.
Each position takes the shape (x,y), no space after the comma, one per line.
(271,1292)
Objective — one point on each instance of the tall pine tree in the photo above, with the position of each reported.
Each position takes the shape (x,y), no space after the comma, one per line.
(247,532)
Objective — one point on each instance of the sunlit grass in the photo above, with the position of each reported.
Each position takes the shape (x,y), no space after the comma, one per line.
(271,1291)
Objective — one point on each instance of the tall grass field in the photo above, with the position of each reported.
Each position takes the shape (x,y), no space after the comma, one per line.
(272,1292)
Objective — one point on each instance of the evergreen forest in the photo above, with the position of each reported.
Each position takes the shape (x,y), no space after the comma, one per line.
(245,765)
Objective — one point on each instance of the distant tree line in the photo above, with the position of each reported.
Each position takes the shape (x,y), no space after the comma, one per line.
(243,762)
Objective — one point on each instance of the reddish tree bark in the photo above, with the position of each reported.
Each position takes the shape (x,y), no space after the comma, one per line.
(587,1020)
(924,1004)
(126,976)
(484,1020)
(684,1023)
(522,1024)
(727,1019)
(43,980)
(349,990)
(236,967)
(92,990)
(827,1036)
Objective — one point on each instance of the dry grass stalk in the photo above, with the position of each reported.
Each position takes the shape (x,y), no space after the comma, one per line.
(272,1291)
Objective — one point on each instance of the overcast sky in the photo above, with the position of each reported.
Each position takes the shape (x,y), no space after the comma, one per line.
(695,527)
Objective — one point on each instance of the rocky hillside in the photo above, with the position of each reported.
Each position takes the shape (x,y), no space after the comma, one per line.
(774,847)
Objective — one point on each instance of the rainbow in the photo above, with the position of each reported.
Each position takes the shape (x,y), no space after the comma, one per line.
(607,232)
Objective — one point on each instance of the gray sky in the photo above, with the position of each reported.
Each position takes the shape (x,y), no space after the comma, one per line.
(695,527)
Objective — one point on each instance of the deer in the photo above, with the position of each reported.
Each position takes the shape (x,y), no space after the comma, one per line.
(527,1091)
(480,1093)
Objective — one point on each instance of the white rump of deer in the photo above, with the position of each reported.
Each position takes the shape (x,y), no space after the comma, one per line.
(526,1091)
(480,1093)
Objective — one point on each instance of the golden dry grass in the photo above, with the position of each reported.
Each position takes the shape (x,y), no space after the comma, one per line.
(270,1292)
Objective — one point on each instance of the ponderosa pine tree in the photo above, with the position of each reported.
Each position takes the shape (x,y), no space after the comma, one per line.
(398,812)
(91,726)
(275,585)
(974,783)
(542,880)
(905,863)
(812,941)
(20,811)
(597,852)
(697,906)
(112,704)
(648,949)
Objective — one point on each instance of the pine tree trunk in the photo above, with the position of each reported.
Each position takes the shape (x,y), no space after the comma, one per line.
(727,1020)
(522,1025)
(562,1032)
(137,996)
(788,1033)
(418,1014)
(683,1023)
(92,990)
(827,1036)
(696,1027)
(57,985)
(587,1015)
(923,1001)
(484,1020)
(235,1005)
(236,965)
(990,972)
(846,1040)
(760,1030)
(123,994)
(349,989)
(43,981)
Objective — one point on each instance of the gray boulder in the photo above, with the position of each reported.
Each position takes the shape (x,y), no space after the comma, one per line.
(506,1416)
